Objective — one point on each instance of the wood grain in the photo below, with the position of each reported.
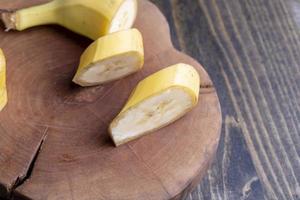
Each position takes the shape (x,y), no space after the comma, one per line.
(251,50)
(54,142)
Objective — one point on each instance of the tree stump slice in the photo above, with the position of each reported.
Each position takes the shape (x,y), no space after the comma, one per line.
(54,142)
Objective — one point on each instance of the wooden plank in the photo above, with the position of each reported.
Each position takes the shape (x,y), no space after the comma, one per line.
(232,175)
(251,49)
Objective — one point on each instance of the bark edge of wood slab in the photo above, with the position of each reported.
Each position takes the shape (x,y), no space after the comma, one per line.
(54,142)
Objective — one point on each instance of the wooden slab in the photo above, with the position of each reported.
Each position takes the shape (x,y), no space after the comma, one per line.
(53,135)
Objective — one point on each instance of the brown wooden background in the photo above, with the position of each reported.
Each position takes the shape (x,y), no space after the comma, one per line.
(251,50)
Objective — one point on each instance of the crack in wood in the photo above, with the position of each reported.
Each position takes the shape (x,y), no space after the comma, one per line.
(150,170)
(207,89)
(206,86)
(20,180)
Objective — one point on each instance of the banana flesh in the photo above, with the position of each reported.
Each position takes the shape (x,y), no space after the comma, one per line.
(157,101)
(3,93)
(111,57)
(91,18)
(125,16)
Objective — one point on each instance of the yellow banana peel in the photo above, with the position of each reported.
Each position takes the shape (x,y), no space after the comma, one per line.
(91,18)
(3,93)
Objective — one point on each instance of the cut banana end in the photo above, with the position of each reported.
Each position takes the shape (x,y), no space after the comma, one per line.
(125,16)
(156,102)
(3,93)
(110,58)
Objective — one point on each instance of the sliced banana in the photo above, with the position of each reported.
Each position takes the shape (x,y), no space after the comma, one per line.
(157,101)
(111,57)
(3,93)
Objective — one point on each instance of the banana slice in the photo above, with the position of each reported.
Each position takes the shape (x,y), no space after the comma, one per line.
(111,57)
(3,93)
(91,18)
(156,102)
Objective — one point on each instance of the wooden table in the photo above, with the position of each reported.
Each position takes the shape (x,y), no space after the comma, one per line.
(251,50)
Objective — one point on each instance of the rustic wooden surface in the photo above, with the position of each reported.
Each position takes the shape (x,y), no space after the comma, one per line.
(53,134)
(251,50)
